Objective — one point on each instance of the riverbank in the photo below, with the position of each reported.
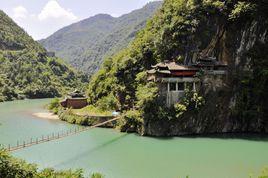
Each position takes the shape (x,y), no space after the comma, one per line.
(46,115)
(87,116)
(85,120)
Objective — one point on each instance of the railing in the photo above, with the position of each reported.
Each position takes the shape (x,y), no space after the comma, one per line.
(53,136)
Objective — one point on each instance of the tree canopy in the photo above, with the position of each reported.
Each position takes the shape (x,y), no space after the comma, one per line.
(25,68)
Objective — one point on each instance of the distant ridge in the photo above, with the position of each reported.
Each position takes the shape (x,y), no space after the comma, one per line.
(86,43)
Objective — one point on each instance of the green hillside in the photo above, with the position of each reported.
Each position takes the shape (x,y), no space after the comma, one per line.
(25,68)
(232,31)
(85,43)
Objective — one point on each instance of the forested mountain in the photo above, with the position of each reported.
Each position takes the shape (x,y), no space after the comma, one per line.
(86,43)
(25,68)
(233,32)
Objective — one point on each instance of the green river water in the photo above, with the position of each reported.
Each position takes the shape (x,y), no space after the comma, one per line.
(120,155)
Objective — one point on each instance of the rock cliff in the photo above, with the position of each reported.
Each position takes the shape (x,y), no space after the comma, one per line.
(238,101)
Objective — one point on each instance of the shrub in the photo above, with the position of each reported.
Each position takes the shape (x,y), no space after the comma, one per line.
(180,109)
(190,102)
(264,173)
(54,105)
(97,175)
(72,118)
(108,103)
(242,9)
(146,95)
(11,167)
(51,173)
(130,121)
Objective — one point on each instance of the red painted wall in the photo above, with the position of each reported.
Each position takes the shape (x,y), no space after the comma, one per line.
(74,103)
(183,73)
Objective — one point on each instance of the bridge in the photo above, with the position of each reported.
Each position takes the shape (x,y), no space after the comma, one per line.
(54,136)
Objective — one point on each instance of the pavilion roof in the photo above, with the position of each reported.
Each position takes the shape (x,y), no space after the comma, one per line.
(172,66)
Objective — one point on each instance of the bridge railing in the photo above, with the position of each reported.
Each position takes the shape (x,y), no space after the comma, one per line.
(53,136)
(44,138)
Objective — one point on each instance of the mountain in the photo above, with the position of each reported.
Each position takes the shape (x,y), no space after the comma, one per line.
(26,70)
(230,32)
(86,43)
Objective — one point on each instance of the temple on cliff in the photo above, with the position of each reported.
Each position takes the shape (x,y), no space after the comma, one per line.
(173,79)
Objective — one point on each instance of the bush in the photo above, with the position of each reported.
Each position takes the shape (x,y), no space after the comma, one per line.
(54,105)
(72,118)
(146,95)
(108,103)
(180,109)
(190,102)
(242,9)
(130,121)
(51,173)
(97,175)
(11,167)
(264,173)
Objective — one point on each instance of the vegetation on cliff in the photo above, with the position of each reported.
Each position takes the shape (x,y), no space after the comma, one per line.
(25,68)
(85,43)
(177,30)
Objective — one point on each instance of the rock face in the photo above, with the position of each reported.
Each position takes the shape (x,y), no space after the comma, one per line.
(236,102)
(232,33)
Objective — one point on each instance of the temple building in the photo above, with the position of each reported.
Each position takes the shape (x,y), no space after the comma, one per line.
(172,80)
(211,66)
(75,100)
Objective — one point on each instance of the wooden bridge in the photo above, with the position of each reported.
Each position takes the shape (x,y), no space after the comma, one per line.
(54,136)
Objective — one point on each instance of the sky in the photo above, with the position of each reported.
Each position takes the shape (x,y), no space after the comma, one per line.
(41,18)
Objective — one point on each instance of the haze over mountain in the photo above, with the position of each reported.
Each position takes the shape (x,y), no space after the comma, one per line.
(86,43)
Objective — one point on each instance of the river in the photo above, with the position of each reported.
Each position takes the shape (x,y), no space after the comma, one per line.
(121,155)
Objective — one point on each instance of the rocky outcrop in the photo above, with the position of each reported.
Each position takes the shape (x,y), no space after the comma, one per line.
(237,101)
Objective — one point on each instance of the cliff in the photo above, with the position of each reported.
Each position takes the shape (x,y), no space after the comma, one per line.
(238,101)
(233,32)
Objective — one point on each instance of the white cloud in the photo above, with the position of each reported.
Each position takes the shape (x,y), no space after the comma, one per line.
(53,10)
(49,19)
(20,12)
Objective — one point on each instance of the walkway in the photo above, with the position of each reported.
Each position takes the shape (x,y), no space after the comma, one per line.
(56,136)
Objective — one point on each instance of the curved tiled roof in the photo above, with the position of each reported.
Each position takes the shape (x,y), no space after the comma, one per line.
(173,66)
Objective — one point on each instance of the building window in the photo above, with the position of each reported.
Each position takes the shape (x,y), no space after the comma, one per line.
(172,86)
(181,86)
(189,86)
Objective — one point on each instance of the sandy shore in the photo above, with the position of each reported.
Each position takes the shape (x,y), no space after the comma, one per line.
(46,115)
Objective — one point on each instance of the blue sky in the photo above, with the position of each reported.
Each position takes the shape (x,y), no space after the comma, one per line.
(41,18)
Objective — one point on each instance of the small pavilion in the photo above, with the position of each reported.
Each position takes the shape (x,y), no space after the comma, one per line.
(75,100)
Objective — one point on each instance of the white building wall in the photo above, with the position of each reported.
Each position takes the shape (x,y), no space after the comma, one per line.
(173,97)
